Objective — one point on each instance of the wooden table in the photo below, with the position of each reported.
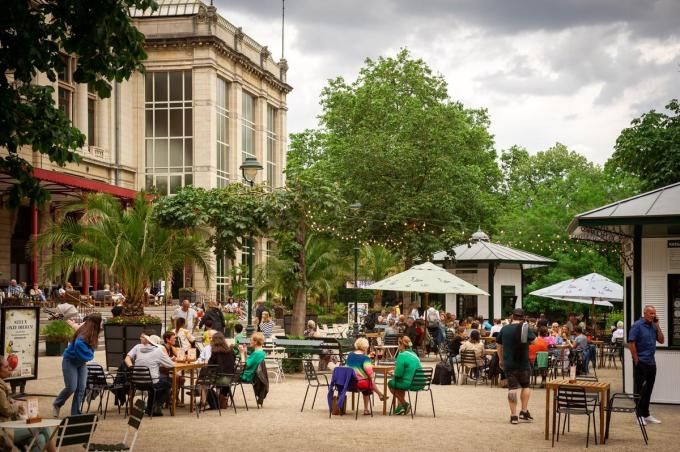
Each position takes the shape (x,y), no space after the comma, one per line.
(388,351)
(384,370)
(488,339)
(33,428)
(373,339)
(599,387)
(177,369)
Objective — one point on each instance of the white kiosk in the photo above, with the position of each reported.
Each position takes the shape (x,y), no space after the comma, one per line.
(647,227)
(495,268)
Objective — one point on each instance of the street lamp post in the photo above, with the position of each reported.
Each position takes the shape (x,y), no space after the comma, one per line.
(249,169)
(355,209)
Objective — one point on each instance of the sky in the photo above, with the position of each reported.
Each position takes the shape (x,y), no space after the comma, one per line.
(575,72)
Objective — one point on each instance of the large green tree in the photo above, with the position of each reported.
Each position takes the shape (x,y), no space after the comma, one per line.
(540,195)
(421,165)
(650,147)
(33,37)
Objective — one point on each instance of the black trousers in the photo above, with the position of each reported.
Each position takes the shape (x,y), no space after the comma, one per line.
(644,376)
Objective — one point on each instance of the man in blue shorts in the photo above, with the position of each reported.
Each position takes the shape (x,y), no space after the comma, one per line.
(512,347)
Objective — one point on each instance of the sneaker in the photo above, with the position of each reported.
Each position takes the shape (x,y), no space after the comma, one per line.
(514,420)
(55,411)
(642,420)
(525,416)
(399,409)
(652,420)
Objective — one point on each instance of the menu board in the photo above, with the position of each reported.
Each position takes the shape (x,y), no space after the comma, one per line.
(674,297)
(674,254)
(20,341)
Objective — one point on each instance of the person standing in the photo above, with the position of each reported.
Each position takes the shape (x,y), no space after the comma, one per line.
(642,339)
(186,312)
(512,347)
(77,354)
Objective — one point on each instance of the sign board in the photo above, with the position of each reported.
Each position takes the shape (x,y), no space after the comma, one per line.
(362,312)
(19,327)
(674,254)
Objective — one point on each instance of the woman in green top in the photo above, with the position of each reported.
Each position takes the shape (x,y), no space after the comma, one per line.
(255,358)
(405,368)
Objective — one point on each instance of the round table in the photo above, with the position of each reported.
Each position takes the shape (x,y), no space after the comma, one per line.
(33,428)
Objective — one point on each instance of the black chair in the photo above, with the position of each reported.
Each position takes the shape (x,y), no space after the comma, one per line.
(76,430)
(134,421)
(240,367)
(99,383)
(223,385)
(312,382)
(139,378)
(625,403)
(571,400)
(204,381)
(421,383)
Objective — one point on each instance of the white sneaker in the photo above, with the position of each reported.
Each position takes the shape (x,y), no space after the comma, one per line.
(55,411)
(652,420)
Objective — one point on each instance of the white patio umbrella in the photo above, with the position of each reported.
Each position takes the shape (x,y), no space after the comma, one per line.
(593,289)
(427,278)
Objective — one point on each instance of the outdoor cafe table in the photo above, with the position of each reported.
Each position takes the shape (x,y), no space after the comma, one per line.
(175,371)
(488,339)
(383,369)
(33,428)
(600,387)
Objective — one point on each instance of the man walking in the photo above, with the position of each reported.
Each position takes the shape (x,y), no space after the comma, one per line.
(513,356)
(186,312)
(642,340)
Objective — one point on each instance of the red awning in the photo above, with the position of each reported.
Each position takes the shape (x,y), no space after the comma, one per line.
(69,180)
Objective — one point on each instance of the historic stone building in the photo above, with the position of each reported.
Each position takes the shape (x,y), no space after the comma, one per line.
(211,96)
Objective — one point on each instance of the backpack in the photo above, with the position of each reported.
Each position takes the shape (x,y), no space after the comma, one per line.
(432,318)
(443,374)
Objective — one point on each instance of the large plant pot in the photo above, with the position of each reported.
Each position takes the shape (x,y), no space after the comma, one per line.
(187,295)
(53,348)
(119,339)
(288,321)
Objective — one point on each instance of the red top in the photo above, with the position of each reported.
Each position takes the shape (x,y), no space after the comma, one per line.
(539,345)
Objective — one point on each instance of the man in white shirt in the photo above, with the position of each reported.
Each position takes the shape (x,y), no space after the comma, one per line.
(186,312)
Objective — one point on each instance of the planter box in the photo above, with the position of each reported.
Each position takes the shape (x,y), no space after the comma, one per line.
(288,321)
(187,295)
(55,348)
(119,339)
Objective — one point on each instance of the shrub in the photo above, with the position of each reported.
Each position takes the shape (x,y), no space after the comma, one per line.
(134,320)
(58,331)
(614,317)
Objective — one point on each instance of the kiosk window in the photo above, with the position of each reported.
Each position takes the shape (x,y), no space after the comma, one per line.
(674,309)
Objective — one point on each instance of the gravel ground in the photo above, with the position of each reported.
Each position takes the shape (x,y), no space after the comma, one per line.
(467,417)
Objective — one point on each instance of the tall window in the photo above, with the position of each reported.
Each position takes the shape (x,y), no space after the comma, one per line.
(91,116)
(247,126)
(222,279)
(169,131)
(66,88)
(272,144)
(222,133)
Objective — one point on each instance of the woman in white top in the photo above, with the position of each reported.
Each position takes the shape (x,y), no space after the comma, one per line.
(618,334)
(266,325)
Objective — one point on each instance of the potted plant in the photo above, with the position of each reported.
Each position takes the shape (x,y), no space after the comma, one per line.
(122,333)
(187,293)
(57,335)
(230,321)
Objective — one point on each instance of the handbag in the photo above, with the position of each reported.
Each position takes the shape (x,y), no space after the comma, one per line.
(335,409)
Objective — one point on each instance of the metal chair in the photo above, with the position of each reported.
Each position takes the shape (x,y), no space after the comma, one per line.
(134,421)
(240,367)
(571,400)
(204,381)
(140,379)
(541,366)
(98,383)
(625,406)
(76,430)
(312,382)
(421,382)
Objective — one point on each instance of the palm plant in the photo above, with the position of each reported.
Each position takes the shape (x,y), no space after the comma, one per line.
(377,263)
(127,243)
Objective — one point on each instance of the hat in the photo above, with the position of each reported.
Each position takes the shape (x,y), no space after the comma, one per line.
(154,340)
(518,312)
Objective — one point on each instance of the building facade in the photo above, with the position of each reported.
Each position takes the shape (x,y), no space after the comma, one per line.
(211,96)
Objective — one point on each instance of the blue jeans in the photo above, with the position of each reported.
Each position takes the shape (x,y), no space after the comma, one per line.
(75,379)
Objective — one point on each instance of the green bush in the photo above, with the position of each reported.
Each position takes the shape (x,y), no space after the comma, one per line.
(614,317)
(134,320)
(58,331)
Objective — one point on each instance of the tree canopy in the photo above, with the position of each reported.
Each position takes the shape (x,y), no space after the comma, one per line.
(34,37)
(650,148)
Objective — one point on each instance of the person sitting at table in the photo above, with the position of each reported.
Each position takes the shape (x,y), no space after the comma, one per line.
(14,290)
(401,324)
(240,334)
(496,328)
(208,331)
(392,315)
(539,345)
(223,358)
(36,293)
(477,347)
(184,337)
(405,369)
(11,411)
(254,359)
(363,371)
(391,329)
(311,330)
(618,333)
(169,344)
(266,325)
(580,345)
(455,344)
(149,355)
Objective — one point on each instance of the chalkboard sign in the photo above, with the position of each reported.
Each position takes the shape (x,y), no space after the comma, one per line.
(674,309)
(19,326)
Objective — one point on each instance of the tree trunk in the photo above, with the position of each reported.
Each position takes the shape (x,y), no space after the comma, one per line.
(377,299)
(133,308)
(299,312)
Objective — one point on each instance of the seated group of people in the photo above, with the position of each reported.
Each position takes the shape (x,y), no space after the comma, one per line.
(406,363)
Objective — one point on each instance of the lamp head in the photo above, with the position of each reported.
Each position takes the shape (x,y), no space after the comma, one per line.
(249,169)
